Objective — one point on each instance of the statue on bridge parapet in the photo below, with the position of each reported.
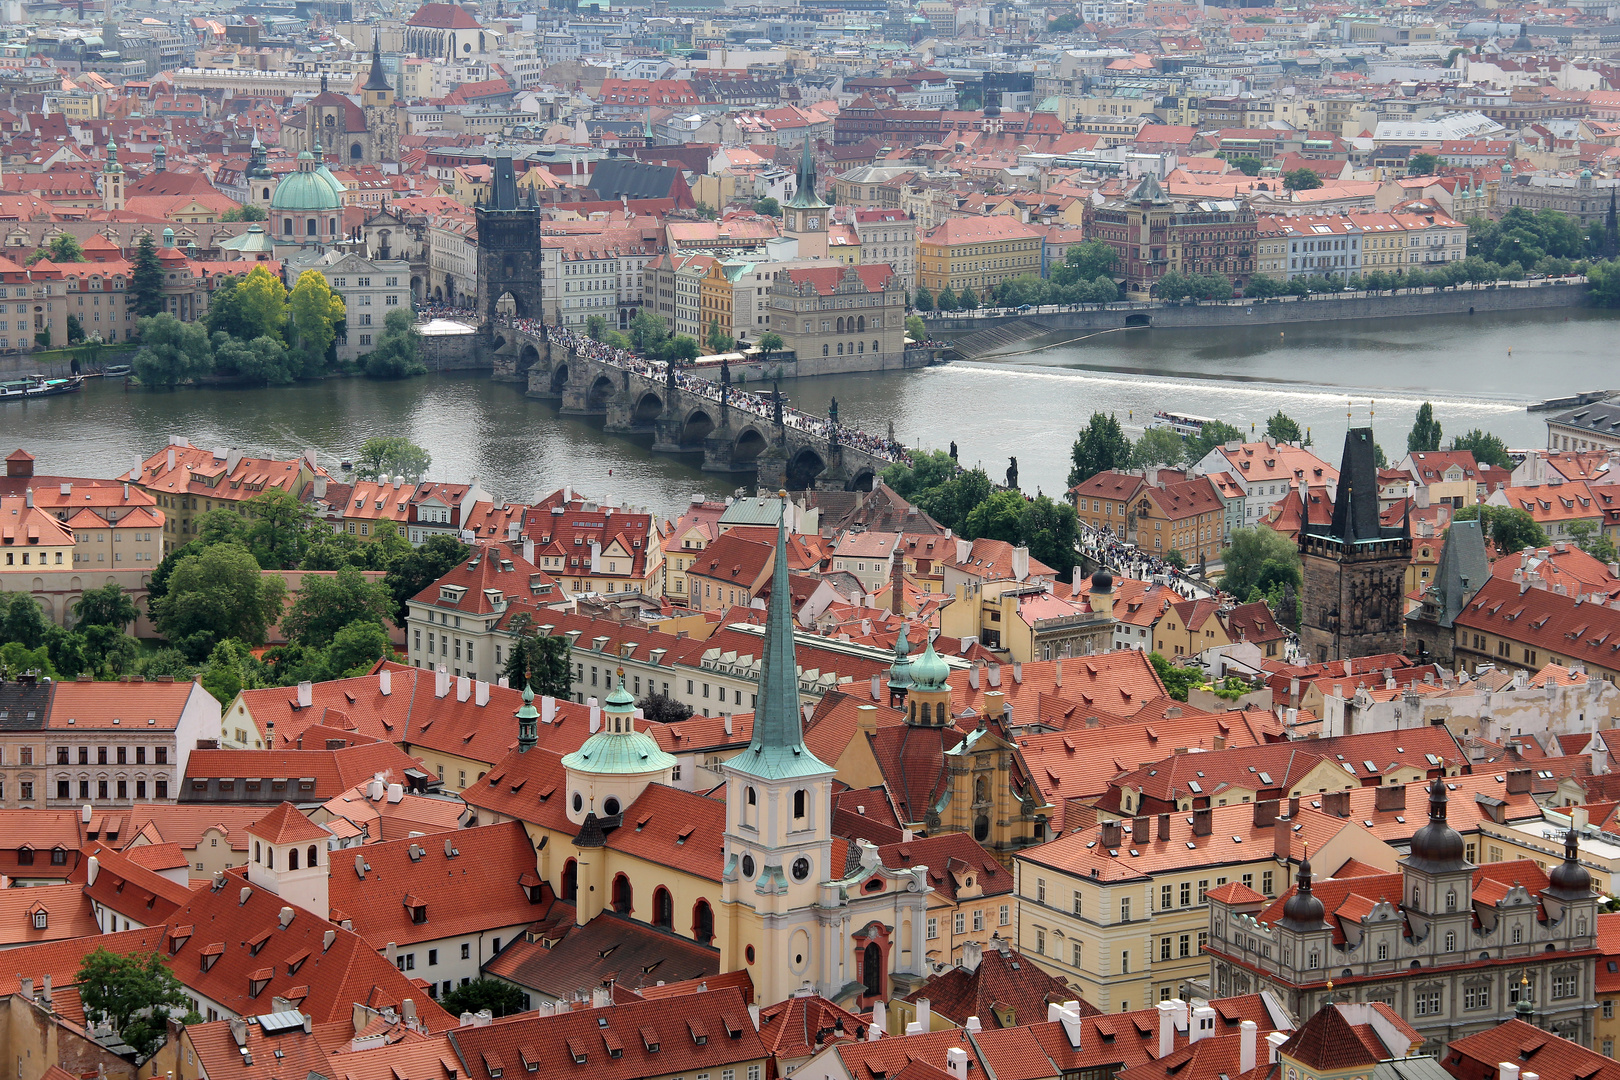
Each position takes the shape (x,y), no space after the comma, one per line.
(832,410)
(669,374)
(953,449)
(1012,473)
(725,372)
(776,404)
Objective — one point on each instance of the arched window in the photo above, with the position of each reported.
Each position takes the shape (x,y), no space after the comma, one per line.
(355,153)
(824,350)
(1451,941)
(840,326)
(1451,899)
(331,226)
(258,856)
(270,857)
(702,922)
(860,324)
(1417,901)
(939,713)
(311,227)
(570,882)
(267,193)
(663,912)
(872,970)
(286,226)
(312,861)
(623,894)
(840,348)
(875,345)
(750,807)
(292,859)
(861,347)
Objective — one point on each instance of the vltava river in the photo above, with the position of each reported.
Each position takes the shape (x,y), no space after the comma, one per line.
(1479,371)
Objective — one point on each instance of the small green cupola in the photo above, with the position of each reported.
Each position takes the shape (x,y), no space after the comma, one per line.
(616,763)
(528,718)
(900,670)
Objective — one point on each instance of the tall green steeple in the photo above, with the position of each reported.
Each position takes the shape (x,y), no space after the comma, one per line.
(778,751)
(804,183)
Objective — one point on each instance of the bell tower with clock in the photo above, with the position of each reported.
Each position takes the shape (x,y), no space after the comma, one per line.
(805,215)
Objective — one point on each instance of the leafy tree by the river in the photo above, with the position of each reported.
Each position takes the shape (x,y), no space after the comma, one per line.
(1509,528)
(1101,445)
(1259,558)
(1487,449)
(398,352)
(217,594)
(146,279)
(172,352)
(1158,446)
(384,456)
(1425,433)
(537,660)
(421,567)
(325,605)
(1284,429)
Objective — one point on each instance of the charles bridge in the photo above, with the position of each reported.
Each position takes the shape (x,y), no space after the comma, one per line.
(735,431)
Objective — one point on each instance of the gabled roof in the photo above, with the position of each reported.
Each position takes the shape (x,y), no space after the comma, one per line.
(285,825)
(956,863)
(444,17)
(609,947)
(1005,990)
(1529,1047)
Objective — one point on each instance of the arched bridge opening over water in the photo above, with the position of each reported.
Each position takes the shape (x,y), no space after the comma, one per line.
(737,432)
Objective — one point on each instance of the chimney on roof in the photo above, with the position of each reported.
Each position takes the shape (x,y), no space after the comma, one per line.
(441,682)
(481,693)
(1336,803)
(1139,831)
(269,734)
(1518,782)
(26,985)
(1164,826)
(972,956)
(1167,1028)
(1202,1025)
(956,1063)
(463,687)
(45,988)
(1275,1041)
(306,691)
(1249,1036)
(877,1029)
(385,681)
(1203,821)
(1111,833)
(1389,797)
(1265,812)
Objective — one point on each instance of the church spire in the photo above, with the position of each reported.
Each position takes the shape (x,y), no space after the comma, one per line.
(804,184)
(777,750)
(377,82)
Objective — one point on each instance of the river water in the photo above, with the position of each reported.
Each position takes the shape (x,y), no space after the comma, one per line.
(1479,371)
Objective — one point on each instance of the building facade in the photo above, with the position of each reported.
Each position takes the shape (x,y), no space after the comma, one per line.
(1155,235)
(836,310)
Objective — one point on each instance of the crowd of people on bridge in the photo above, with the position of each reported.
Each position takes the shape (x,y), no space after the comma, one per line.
(444,311)
(765,406)
(1128,560)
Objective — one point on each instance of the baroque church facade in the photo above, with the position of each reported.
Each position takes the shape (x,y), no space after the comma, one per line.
(348,131)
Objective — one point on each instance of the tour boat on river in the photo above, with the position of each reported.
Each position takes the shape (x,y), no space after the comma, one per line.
(37,386)
(1184,424)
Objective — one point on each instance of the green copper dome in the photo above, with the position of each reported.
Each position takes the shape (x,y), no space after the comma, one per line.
(900,670)
(618,749)
(928,671)
(305,191)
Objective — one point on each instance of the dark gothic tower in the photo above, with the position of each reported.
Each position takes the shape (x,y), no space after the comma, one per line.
(509,259)
(1353,600)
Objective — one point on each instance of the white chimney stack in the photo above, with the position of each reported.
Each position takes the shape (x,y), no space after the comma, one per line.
(1203,1024)
(480,693)
(396,792)
(1249,1034)
(1273,1042)
(956,1063)
(879,1025)
(596,718)
(92,870)
(925,1014)
(385,681)
(1507,1070)
(463,688)
(306,694)
(1167,1028)
(441,682)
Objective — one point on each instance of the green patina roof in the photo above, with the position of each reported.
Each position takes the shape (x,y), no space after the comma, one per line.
(619,753)
(928,671)
(778,751)
(307,191)
(900,670)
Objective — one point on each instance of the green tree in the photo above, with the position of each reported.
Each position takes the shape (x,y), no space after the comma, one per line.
(1214,433)
(647,331)
(421,567)
(263,360)
(1158,446)
(1422,165)
(922,299)
(718,340)
(1283,428)
(109,605)
(1258,558)
(769,207)
(384,456)
(1051,531)
(1101,446)
(316,311)
(769,342)
(146,279)
(136,995)
(1302,179)
(1176,559)
(1177,680)
(249,307)
(170,662)
(279,528)
(326,605)
(1510,528)
(1248,166)
(75,330)
(595,327)
(17,659)
(218,594)
(1063,24)
(928,469)
(172,352)
(947,299)
(65,248)
(388,545)
(1000,517)
(705,211)
(1425,433)
(107,651)
(1087,261)
(1604,278)
(1487,449)
(537,660)
(398,352)
(230,669)
(356,647)
(916,329)
(500,998)
(1590,539)
(248,212)
(968,301)
(660,709)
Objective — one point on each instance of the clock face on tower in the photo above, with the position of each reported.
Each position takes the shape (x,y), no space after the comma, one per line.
(815,223)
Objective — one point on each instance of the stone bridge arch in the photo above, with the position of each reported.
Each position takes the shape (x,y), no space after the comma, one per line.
(803,467)
(697,426)
(749,444)
(864,479)
(649,407)
(559,376)
(601,392)
(528,357)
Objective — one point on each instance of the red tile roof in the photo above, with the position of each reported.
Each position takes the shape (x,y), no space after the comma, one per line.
(954,860)
(285,825)
(1543,620)
(1005,990)
(1473,1057)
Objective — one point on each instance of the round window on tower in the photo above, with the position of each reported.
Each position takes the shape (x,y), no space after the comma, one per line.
(748,953)
(579,802)
(610,806)
(748,866)
(801,869)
